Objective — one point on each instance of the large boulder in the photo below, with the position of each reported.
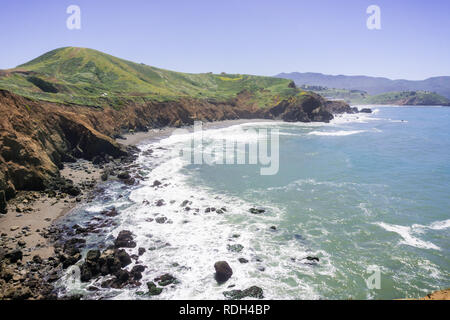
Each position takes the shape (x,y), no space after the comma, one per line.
(125,240)
(153,290)
(252,292)
(14,256)
(166,279)
(223,271)
(110,261)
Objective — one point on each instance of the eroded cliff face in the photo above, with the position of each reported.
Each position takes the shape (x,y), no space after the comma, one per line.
(36,137)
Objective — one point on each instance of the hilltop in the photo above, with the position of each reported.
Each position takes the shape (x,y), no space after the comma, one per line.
(371,85)
(90,77)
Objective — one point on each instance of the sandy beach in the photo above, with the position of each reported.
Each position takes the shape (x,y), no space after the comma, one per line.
(31,213)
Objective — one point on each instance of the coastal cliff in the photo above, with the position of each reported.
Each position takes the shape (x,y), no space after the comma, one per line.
(37,137)
(72,102)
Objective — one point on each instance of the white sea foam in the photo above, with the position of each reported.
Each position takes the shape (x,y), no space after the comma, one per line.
(198,239)
(407,234)
(336,133)
(437,225)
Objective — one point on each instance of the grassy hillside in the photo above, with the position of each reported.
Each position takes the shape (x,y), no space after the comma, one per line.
(89,77)
(421,98)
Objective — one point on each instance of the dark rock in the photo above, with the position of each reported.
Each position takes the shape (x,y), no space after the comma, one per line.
(141,251)
(243,260)
(98,159)
(184,203)
(69,260)
(223,271)
(124,240)
(123,257)
(3,209)
(165,280)
(129,182)
(85,273)
(92,288)
(71,190)
(160,203)
(14,255)
(273,228)
(314,259)
(110,213)
(92,256)
(161,220)
(37,259)
(153,290)
(124,175)
(365,110)
(235,247)
(73,245)
(104,176)
(136,272)
(156,183)
(252,292)
(256,211)
(122,276)
(109,261)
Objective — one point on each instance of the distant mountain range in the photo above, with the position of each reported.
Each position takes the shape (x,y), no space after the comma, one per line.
(371,85)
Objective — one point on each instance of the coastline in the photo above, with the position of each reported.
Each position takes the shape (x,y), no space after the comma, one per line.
(30,226)
(31,213)
(134,139)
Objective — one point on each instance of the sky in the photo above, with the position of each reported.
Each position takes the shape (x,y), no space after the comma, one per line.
(240,36)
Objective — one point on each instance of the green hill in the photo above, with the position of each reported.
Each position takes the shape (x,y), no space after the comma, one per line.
(420,98)
(416,98)
(89,77)
(371,85)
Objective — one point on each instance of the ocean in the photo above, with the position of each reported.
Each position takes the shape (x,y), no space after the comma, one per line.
(367,194)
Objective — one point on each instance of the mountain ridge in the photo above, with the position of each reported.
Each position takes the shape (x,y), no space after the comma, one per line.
(372,85)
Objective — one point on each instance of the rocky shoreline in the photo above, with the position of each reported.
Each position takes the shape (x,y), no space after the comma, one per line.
(34,251)
(31,269)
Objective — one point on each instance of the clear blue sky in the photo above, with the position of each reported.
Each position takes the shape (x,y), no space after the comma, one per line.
(240,36)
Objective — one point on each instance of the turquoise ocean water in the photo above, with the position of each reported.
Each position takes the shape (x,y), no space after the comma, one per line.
(364,192)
